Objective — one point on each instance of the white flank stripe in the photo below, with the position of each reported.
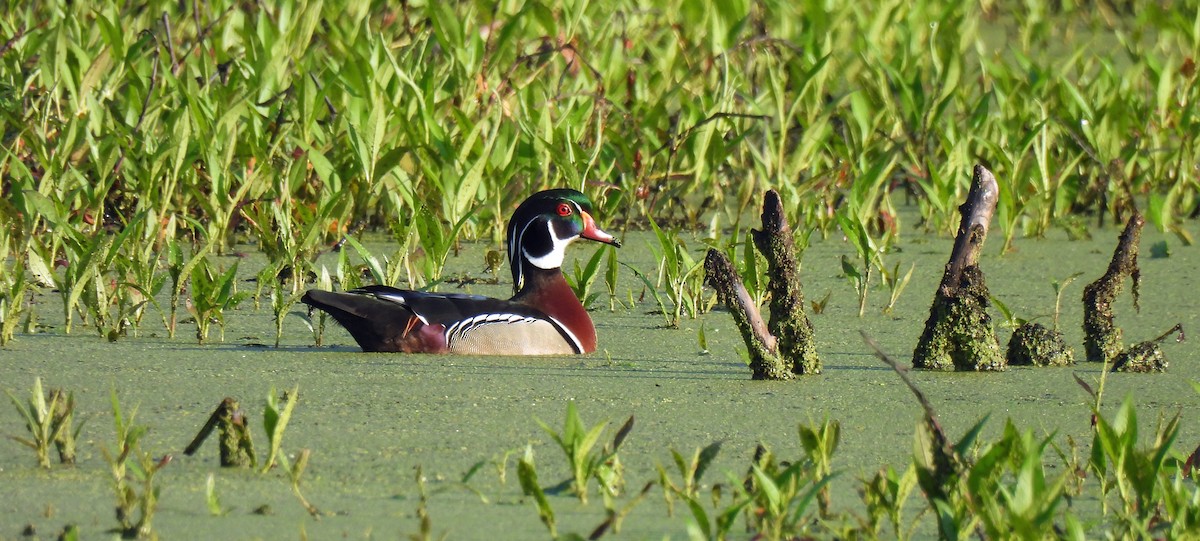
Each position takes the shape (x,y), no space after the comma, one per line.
(575,343)
(461,328)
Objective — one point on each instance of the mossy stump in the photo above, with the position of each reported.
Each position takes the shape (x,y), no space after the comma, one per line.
(236,446)
(1145,357)
(765,361)
(1034,344)
(788,323)
(1101,336)
(783,347)
(958,334)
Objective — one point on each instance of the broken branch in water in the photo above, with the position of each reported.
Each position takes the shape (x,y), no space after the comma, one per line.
(783,347)
(764,359)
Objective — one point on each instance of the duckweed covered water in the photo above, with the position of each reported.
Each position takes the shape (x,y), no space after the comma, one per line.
(370,419)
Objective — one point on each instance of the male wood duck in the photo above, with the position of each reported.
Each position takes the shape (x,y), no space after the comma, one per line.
(542,318)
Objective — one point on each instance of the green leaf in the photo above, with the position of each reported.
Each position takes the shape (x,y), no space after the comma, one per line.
(701,517)
(766,485)
(40,205)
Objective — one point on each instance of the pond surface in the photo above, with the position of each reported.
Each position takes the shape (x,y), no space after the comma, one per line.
(370,419)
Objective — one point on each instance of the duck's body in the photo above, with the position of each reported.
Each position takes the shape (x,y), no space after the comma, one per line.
(543,318)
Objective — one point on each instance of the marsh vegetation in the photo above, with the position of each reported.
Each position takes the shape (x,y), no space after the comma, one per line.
(167,166)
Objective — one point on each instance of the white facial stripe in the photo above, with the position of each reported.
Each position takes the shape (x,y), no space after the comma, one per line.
(513,243)
(554,259)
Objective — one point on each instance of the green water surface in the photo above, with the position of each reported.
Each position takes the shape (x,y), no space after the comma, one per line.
(370,419)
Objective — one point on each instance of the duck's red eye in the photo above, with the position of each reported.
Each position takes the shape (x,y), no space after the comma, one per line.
(564,209)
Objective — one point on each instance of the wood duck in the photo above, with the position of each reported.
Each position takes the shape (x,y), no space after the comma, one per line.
(542,318)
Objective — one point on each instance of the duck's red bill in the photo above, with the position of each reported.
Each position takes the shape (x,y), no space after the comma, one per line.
(591,232)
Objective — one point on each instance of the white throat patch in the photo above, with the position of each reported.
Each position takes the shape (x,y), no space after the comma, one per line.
(554,259)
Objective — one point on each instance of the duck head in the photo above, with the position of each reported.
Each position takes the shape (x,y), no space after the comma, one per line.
(544,225)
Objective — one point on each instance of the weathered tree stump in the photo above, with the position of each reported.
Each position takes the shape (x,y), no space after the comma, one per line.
(236,447)
(789,323)
(765,362)
(1101,336)
(958,334)
(783,347)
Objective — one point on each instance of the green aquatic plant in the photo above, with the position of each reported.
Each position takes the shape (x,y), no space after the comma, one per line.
(13,285)
(858,273)
(819,443)
(779,496)
(690,473)
(610,279)
(578,444)
(527,475)
(180,269)
(295,472)
(143,282)
(582,277)
(717,525)
(82,257)
(668,315)
(1010,492)
(426,529)
(1060,286)
(679,275)
(212,501)
(212,294)
(275,421)
(133,481)
(1136,476)
(49,421)
(895,284)
(316,319)
(885,496)
(384,272)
